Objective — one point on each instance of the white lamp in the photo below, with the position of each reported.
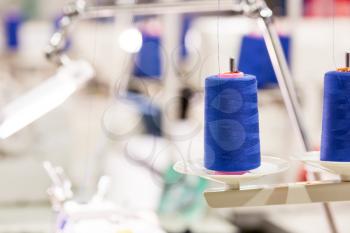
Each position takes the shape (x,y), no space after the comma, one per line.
(44,98)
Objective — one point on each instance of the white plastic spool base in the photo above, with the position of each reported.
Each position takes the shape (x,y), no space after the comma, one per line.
(293,193)
(269,166)
(338,168)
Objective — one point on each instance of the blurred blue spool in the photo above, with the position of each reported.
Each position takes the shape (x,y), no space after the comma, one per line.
(231,135)
(148,62)
(254,59)
(335,145)
(12,21)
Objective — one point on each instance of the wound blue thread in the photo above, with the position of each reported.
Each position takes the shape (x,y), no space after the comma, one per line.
(231,134)
(335,142)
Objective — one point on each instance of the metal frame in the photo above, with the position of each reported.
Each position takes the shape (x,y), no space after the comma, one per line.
(80,11)
(251,8)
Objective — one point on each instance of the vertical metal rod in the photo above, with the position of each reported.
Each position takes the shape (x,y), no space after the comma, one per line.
(232,65)
(170,42)
(295,9)
(288,92)
(328,211)
(329,216)
(347,59)
(284,79)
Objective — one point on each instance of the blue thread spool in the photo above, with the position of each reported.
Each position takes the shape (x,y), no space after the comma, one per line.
(231,135)
(335,145)
(254,59)
(12,23)
(148,62)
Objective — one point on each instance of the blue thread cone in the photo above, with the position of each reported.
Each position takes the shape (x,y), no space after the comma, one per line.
(261,65)
(231,124)
(335,142)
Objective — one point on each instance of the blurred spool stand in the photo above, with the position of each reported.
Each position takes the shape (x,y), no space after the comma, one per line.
(232,195)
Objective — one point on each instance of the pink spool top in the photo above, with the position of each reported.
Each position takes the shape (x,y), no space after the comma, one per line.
(236,74)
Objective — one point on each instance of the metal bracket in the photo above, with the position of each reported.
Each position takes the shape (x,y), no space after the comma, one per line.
(295,193)
(55,50)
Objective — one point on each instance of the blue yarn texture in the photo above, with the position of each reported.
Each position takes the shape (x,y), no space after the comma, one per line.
(335,142)
(231,124)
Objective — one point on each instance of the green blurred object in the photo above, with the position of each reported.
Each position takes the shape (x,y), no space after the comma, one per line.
(30,8)
(183,196)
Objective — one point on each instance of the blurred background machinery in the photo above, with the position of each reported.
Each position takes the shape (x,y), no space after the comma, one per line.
(114,127)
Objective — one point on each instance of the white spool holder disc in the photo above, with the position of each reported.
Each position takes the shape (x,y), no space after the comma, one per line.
(269,166)
(338,168)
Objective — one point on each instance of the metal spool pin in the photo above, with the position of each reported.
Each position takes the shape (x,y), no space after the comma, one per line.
(233,68)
